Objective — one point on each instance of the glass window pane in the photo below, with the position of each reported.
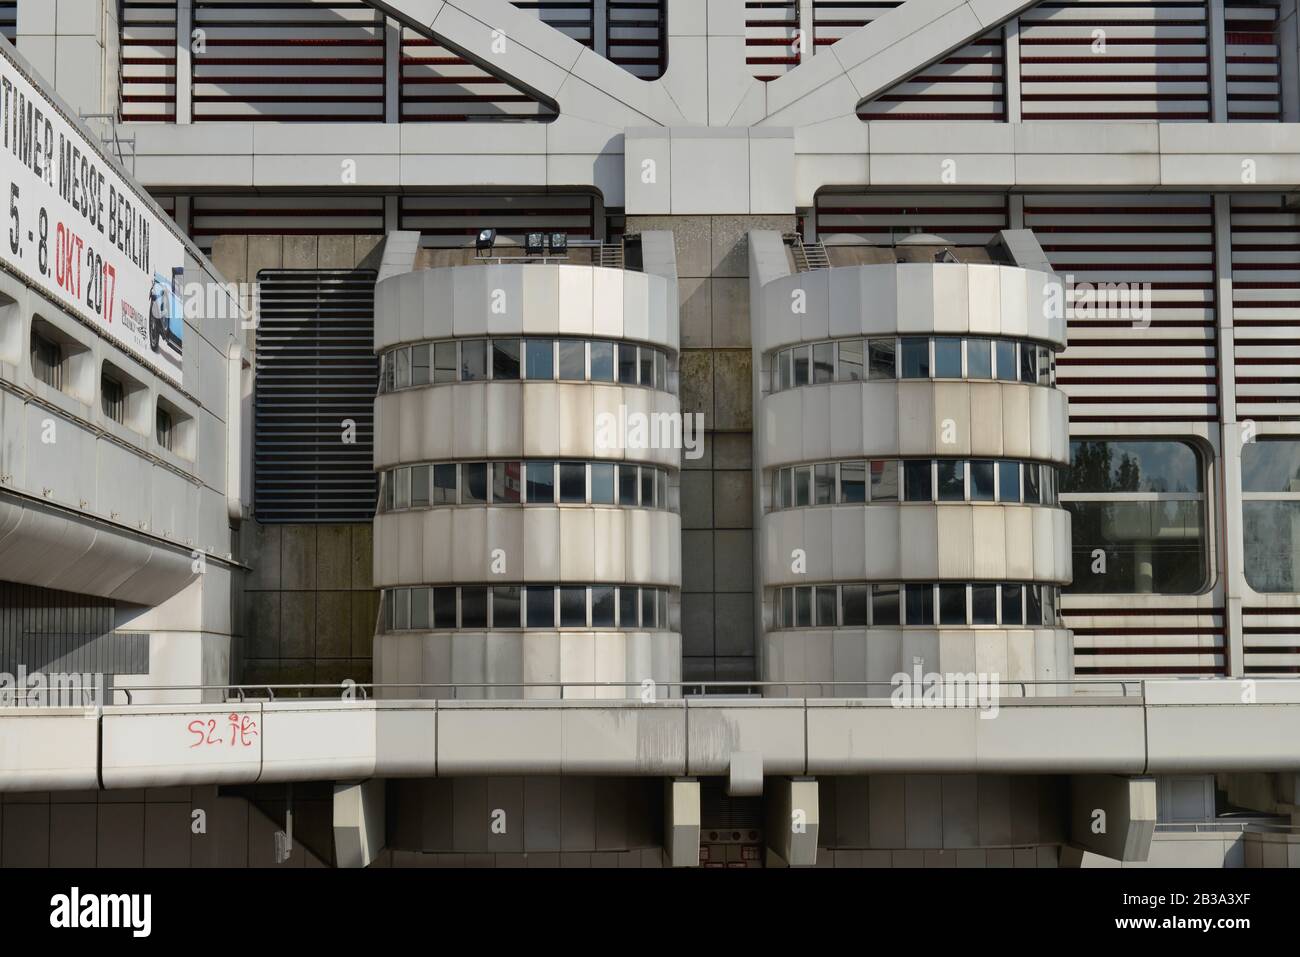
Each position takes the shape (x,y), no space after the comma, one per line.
(884,605)
(916,358)
(444,608)
(952,604)
(647,366)
(1031,482)
(402,497)
(1270,465)
(444,362)
(851,361)
(540,604)
(602,483)
(541,483)
(1028,363)
(1150,547)
(803,485)
(1272,535)
(785,486)
(390,479)
(648,488)
(420,599)
(626,363)
(1005,357)
(420,364)
(602,362)
(602,606)
(661,488)
(854,611)
(661,371)
(826,610)
(475,490)
(1097,466)
(541,358)
(419,486)
(947,358)
(981,481)
(628,606)
(787,607)
(473,606)
(920,604)
(573,607)
(573,360)
(649,609)
(401,607)
(505,606)
(403,374)
(627,485)
(882,358)
(505,359)
(916,482)
(823,362)
(1033,606)
(573,482)
(785,361)
(803,607)
(979,359)
(1013,612)
(444,485)
(824,484)
(952,480)
(853,482)
(1008,481)
(779,365)
(801,370)
(473,360)
(1045,371)
(984,604)
(506,482)
(884,480)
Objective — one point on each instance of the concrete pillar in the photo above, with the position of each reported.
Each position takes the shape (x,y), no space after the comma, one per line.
(807,30)
(1218,62)
(792,823)
(682,822)
(184,89)
(392,71)
(358,822)
(1011,69)
(1113,816)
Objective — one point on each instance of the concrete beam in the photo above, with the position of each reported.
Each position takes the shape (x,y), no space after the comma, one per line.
(358,822)
(1113,816)
(682,822)
(793,820)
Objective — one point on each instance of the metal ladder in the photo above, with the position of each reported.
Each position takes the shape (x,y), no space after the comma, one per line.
(807,256)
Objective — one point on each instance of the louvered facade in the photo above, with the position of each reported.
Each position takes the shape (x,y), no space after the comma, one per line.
(148,62)
(315,387)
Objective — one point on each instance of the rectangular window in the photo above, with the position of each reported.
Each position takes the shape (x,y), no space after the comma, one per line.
(473,360)
(661,371)
(475,491)
(981,481)
(420,364)
(573,360)
(420,486)
(420,608)
(506,482)
(602,362)
(444,608)
(402,494)
(884,605)
(984,604)
(1045,376)
(854,599)
(916,482)
(802,373)
(803,607)
(1006,360)
(540,604)
(787,607)
(853,482)
(573,483)
(1013,611)
(541,483)
(916,358)
(851,361)
(824,484)
(401,608)
(882,358)
(647,488)
(779,381)
(402,358)
(647,366)
(884,480)
(947,358)
(785,488)
(661,488)
(473,607)
(626,364)
(444,362)
(1033,606)
(1008,481)
(787,368)
(602,606)
(920,604)
(952,480)
(1028,363)
(572,607)
(628,606)
(505,359)
(602,483)
(112,399)
(952,604)
(803,486)
(826,610)
(505,606)
(1031,482)
(979,359)
(540,355)
(627,485)
(649,609)
(444,485)
(164,429)
(823,354)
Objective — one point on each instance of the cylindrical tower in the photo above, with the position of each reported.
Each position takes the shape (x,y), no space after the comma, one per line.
(909,436)
(527,532)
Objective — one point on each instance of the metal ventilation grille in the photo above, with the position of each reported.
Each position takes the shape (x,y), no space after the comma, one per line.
(884,218)
(148,78)
(60,632)
(316,369)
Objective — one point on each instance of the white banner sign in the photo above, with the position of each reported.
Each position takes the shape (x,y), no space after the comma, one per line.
(78,232)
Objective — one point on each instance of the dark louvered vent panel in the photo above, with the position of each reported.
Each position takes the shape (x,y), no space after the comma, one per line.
(148,60)
(968,219)
(1176,639)
(636,41)
(1254,62)
(966,86)
(60,632)
(1271,639)
(771,28)
(1266,307)
(452,220)
(1119,368)
(316,369)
